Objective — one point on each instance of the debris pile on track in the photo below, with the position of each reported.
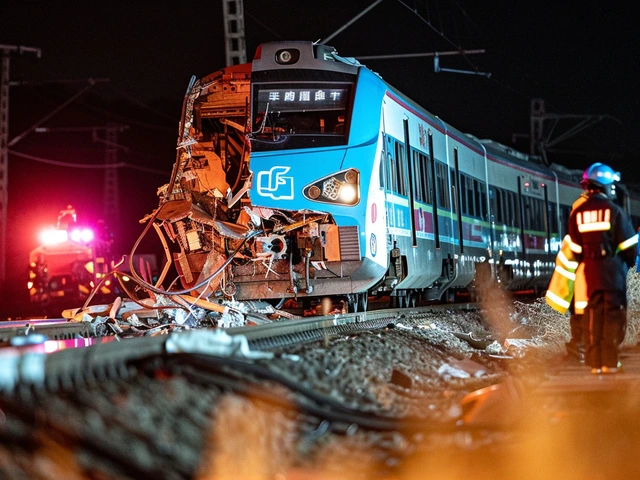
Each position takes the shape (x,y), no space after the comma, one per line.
(367,405)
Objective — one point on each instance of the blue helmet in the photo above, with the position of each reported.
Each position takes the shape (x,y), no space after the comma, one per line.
(599,175)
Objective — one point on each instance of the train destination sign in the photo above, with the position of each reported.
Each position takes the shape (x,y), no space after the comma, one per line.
(299,99)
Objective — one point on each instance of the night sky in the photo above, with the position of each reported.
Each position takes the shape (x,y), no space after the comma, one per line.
(581,59)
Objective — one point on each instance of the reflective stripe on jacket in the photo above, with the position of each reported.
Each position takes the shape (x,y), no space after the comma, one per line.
(561,287)
(567,278)
(605,241)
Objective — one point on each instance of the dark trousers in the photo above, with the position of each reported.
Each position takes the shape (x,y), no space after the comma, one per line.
(605,321)
(576,324)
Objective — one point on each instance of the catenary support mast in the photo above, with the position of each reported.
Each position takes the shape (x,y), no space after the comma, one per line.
(234,46)
(7,51)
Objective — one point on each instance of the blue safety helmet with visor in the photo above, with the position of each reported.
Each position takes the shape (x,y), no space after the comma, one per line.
(601,176)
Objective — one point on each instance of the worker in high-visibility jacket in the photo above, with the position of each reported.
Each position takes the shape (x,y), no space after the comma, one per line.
(603,239)
(566,286)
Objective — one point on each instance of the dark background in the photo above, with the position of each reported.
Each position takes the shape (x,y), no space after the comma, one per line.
(580,59)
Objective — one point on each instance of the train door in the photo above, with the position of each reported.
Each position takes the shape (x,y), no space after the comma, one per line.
(457,199)
(393,181)
(410,183)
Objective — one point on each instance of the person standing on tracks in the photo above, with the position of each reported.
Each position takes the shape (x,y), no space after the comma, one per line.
(568,277)
(603,239)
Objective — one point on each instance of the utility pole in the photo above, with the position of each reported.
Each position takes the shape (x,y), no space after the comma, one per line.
(542,138)
(111,196)
(7,51)
(234,41)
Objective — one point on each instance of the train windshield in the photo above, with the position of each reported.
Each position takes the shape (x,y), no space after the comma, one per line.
(299,115)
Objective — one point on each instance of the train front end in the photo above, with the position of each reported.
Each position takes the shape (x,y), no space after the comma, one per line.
(315,143)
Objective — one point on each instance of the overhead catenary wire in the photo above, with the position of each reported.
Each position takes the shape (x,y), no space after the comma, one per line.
(88,166)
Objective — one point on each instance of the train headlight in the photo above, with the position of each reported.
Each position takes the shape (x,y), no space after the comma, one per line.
(348,193)
(342,188)
(287,56)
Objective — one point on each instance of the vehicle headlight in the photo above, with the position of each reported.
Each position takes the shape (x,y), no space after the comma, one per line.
(342,188)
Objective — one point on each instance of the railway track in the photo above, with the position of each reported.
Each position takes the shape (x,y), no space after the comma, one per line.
(317,362)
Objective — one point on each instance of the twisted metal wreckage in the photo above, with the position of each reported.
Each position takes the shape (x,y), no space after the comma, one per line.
(205,210)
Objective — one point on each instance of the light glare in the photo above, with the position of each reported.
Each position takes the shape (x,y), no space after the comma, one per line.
(52,236)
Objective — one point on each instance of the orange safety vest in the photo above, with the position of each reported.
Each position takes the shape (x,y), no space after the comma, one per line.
(568,277)
(567,281)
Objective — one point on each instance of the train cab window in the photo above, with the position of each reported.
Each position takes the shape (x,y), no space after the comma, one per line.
(299,115)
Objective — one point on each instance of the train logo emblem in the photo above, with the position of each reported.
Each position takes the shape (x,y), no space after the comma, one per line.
(274,184)
(373,244)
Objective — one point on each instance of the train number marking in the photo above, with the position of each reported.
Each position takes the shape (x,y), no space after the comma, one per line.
(274,184)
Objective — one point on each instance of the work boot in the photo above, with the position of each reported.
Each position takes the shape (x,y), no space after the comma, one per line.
(616,369)
(576,351)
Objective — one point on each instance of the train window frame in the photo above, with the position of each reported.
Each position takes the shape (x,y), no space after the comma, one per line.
(280,128)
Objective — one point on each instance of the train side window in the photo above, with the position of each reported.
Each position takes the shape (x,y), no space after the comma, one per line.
(540,215)
(417,177)
(390,167)
(454,190)
(392,173)
(383,169)
(426,168)
(497,205)
(481,198)
(507,207)
(513,209)
(472,187)
(442,182)
(401,183)
(565,213)
(529,208)
(553,219)
(463,194)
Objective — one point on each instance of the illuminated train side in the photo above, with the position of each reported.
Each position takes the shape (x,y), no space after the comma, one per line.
(397,201)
